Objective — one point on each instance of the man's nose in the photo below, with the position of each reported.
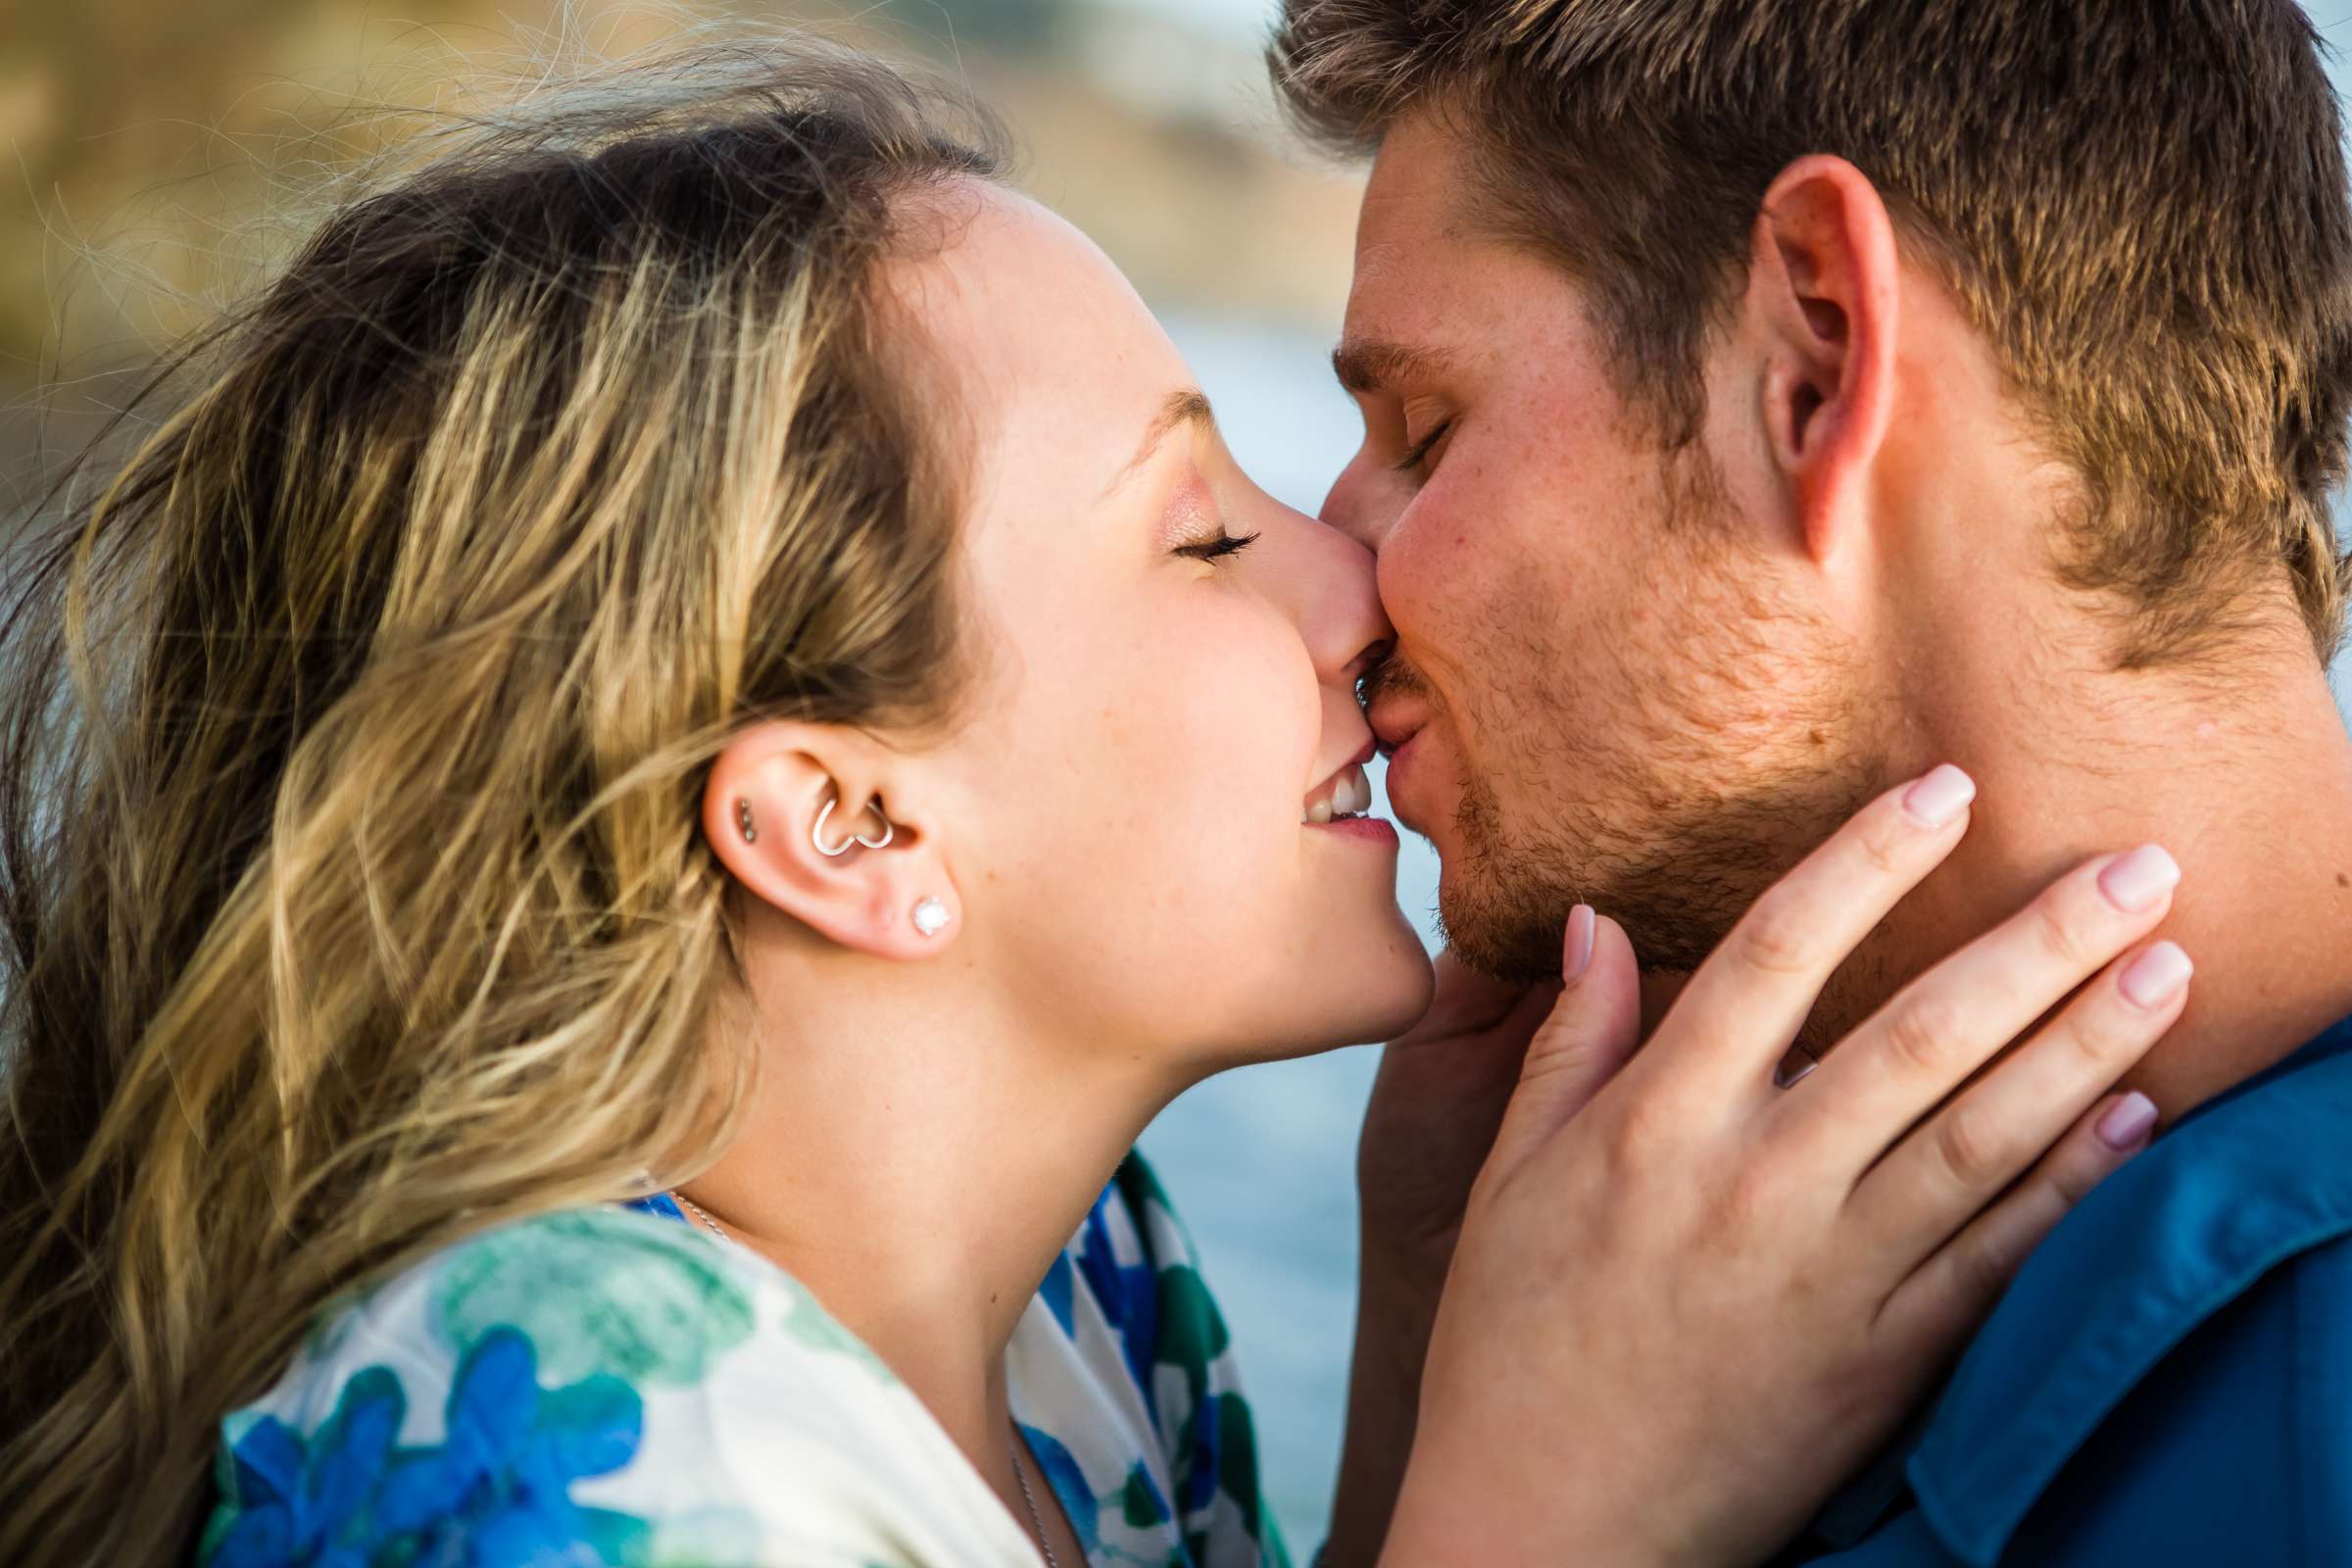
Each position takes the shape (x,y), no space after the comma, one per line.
(1351,507)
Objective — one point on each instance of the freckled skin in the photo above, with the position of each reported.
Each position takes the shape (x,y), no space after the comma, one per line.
(1628,702)
(1127,790)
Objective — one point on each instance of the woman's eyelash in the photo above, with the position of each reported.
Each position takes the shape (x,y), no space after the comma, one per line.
(1223,545)
(1422,448)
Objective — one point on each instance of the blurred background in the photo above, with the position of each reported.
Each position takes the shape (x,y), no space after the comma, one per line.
(155,153)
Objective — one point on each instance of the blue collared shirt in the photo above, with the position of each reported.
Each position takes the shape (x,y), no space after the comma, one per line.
(2169,1380)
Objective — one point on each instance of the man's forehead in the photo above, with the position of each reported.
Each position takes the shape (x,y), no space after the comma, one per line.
(1417,234)
(1401,302)
(1420,187)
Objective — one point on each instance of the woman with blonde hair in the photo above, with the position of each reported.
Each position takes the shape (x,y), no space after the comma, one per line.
(616,823)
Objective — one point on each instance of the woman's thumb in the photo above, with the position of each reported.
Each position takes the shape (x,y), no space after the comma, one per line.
(1592,1031)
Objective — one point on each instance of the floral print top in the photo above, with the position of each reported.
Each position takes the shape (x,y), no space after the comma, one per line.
(599,1388)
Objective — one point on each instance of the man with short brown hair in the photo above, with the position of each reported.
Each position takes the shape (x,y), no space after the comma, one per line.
(1766,400)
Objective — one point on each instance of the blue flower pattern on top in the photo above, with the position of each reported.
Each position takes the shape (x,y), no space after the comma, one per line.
(1056,1293)
(496,1494)
(299,1505)
(663,1442)
(1060,1471)
(1129,1293)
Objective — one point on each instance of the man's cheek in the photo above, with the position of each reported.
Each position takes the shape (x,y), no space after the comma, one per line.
(1429,577)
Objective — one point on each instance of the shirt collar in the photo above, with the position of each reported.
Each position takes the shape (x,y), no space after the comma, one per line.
(2246,1181)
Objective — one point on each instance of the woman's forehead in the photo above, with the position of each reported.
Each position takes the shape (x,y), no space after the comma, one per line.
(1047,337)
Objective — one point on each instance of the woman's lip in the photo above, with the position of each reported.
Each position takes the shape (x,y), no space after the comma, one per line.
(1370,829)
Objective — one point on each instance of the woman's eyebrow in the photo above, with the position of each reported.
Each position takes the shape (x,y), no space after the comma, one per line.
(1369,365)
(1185,407)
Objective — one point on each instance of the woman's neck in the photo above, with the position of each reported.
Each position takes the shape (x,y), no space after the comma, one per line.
(917,1153)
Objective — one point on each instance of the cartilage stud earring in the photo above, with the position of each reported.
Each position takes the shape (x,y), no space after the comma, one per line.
(743,820)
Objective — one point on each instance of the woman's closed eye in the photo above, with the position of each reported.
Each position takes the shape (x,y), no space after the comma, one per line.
(1223,545)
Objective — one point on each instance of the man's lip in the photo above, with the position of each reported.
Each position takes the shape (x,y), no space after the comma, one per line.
(1390,733)
(1403,805)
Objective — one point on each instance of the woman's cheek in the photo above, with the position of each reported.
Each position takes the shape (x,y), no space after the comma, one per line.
(1257,729)
(1188,729)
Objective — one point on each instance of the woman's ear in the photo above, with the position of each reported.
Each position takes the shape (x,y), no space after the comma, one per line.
(823,824)
(1825,283)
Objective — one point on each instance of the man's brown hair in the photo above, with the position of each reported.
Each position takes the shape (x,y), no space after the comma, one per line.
(2142,207)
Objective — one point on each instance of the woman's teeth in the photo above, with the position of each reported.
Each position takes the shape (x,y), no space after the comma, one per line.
(1350,795)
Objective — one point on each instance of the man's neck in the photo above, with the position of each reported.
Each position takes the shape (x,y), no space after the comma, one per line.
(2243,770)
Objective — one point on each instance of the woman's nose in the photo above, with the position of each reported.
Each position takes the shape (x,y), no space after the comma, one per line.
(1346,631)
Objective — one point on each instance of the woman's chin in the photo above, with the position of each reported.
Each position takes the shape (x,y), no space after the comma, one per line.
(1388,981)
(1375,991)
(1406,987)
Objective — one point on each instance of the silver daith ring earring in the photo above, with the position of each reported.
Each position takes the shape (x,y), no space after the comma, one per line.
(817,834)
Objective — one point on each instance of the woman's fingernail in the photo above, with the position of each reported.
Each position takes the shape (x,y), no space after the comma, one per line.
(2157,976)
(1940,797)
(2135,881)
(2127,1122)
(1576,951)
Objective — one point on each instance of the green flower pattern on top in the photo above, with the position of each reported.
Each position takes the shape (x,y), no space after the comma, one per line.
(607,1389)
(1132,1269)
(595,1291)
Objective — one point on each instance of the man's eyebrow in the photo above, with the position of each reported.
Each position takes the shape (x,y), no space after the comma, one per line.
(1186,406)
(1365,366)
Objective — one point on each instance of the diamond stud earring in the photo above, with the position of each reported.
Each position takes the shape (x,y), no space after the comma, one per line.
(930,917)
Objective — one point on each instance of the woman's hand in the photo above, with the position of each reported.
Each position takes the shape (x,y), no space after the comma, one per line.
(1435,1107)
(1686,1302)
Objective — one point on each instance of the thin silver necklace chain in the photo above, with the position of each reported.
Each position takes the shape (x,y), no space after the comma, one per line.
(1020,1471)
(699,1212)
(1036,1521)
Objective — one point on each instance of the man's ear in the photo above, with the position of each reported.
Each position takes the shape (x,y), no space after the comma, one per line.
(783,794)
(1825,285)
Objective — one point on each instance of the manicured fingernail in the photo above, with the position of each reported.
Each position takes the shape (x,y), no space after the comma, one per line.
(2135,881)
(2157,976)
(1940,797)
(1576,951)
(2127,1122)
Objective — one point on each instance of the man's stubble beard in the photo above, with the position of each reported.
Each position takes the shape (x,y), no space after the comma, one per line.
(1746,745)
(1678,887)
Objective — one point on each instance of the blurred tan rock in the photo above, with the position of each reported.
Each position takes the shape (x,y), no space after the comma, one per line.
(159,155)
